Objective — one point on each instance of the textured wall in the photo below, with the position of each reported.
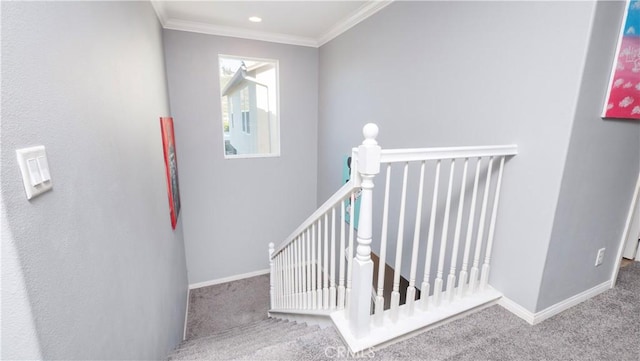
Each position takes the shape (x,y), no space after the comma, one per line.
(233,208)
(599,178)
(104,273)
(465,73)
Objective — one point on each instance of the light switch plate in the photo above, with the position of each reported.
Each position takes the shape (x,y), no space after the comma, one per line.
(36,177)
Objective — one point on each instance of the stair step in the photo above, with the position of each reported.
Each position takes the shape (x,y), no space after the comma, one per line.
(241,341)
(318,345)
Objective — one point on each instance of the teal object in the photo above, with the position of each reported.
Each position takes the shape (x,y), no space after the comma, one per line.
(349,208)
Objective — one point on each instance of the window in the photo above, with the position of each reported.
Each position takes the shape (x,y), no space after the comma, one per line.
(249,94)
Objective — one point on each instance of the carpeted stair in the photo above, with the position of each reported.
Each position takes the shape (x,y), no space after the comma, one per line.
(267,338)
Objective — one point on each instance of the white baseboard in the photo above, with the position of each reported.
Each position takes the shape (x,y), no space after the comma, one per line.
(517,310)
(229,279)
(537,317)
(186,315)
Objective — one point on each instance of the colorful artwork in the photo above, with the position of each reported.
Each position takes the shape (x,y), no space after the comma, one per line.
(170,161)
(623,98)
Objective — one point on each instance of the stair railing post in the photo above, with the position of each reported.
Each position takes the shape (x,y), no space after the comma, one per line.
(362,267)
(272,276)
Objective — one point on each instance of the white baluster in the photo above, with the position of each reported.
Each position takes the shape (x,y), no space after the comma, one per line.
(272,276)
(309,268)
(424,293)
(411,290)
(303,270)
(473,281)
(484,278)
(332,273)
(368,167)
(395,294)
(294,269)
(314,296)
(462,282)
(287,280)
(383,252)
(342,266)
(279,281)
(325,289)
(437,292)
(300,273)
(319,283)
(296,288)
(451,280)
(347,293)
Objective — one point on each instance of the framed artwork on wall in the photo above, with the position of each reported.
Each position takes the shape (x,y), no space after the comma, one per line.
(623,93)
(171,164)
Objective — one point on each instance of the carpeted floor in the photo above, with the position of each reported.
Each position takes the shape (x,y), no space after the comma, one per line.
(221,307)
(606,327)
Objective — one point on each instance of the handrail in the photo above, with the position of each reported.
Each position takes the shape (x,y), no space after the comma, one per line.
(418,154)
(336,198)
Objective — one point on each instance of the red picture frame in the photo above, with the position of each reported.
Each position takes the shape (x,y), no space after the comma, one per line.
(171,165)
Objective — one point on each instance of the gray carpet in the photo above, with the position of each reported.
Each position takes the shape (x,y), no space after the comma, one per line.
(221,307)
(606,327)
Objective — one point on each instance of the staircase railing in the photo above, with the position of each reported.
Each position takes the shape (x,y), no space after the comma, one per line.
(303,267)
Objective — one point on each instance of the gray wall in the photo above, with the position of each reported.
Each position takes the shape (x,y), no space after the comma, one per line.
(104,274)
(233,208)
(599,177)
(465,73)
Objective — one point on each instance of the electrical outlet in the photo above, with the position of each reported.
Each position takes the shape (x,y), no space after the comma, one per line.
(600,256)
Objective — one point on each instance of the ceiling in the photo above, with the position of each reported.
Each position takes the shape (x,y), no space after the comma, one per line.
(306,23)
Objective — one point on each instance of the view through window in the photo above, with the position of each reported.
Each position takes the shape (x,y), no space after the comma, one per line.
(249,99)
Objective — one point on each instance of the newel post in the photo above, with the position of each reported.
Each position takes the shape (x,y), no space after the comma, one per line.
(272,276)
(362,268)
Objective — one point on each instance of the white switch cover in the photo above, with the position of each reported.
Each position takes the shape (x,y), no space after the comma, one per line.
(35,170)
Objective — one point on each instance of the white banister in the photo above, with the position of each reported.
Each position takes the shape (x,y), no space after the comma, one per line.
(362,267)
(324,270)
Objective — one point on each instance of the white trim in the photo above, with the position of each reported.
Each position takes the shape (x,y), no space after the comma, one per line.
(625,233)
(186,316)
(362,13)
(421,319)
(517,310)
(229,279)
(536,318)
(365,11)
(161,13)
(204,28)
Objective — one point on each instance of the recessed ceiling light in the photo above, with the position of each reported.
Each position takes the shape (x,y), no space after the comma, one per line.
(255,19)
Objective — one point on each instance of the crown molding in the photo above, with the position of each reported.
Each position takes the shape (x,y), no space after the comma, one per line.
(352,20)
(343,25)
(234,32)
(161,13)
